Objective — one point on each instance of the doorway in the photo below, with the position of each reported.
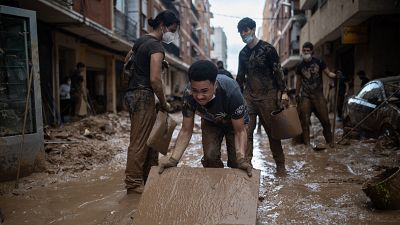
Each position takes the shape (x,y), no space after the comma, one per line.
(96,90)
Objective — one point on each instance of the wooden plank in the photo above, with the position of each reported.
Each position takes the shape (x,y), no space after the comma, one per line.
(184,196)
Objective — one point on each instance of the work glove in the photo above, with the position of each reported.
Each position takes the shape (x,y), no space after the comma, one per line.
(246,166)
(163,164)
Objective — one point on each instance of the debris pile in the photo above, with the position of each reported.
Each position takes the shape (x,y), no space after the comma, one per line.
(86,143)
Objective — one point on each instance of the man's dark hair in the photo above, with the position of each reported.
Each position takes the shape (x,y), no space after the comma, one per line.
(220,64)
(203,70)
(246,23)
(308,45)
(80,65)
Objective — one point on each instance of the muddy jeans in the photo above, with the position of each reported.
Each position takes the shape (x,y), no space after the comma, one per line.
(212,136)
(317,104)
(140,158)
(263,109)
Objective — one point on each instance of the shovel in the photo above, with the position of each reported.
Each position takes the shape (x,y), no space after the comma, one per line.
(323,147)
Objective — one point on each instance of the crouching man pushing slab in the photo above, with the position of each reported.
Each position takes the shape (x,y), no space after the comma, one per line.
(218,101)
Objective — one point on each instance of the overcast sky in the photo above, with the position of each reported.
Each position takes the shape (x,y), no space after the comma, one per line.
(227,14)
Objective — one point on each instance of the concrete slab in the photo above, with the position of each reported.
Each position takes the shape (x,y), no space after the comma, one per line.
(188,195)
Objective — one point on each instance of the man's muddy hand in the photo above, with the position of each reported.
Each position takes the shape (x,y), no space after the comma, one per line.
(246,166)
(171,162)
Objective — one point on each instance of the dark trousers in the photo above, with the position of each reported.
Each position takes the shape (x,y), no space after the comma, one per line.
(212,136)
(65,108)
(263,109)
(317,104)
(140,158)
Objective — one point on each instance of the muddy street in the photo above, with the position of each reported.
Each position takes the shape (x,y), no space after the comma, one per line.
(321,187)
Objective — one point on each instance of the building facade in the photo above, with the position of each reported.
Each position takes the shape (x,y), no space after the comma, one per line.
(220,51)
(355,35)
(97,33)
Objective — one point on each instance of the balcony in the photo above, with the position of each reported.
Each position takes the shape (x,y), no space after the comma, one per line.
(193,35)
(194,10)
(307,4)
(124,26)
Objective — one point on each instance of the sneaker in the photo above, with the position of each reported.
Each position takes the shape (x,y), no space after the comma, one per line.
(135,190)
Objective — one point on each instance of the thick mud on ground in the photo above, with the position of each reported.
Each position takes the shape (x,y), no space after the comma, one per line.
(83,183)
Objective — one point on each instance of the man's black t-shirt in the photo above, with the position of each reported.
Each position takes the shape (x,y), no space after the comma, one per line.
(228,103)
(146,46)
(311,76)
(260,68)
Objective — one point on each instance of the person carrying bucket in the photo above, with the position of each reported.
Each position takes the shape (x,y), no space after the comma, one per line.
(309,92)
(259,66)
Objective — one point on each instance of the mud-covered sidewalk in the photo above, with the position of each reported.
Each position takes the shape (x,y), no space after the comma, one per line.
(83,181)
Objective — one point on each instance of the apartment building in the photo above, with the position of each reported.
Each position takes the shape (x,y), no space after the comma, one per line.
(219,40)
(353,35)
(281,27)
(47,38)
(42,41)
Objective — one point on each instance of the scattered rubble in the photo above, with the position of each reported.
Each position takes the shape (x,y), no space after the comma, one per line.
(84,144)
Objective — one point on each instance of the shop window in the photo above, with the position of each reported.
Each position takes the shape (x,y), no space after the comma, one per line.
(15,55)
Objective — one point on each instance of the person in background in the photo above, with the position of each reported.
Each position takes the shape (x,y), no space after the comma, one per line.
(146,81)
(222,70)
(265,89)
(77,91)
(310,85)
(65,98)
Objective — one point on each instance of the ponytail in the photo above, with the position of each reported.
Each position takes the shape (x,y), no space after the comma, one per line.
(167,17)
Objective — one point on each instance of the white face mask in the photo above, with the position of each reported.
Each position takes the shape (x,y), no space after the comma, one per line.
(248,39)
(168,37)
(306,57)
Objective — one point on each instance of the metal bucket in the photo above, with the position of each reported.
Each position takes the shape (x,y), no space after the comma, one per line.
(384,189)
(285,123)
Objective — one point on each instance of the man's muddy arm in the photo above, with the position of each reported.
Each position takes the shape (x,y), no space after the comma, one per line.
(184,136)
(240,137)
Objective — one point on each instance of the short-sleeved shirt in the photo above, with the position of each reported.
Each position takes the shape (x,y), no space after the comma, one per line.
(228,103)
(143,49)
(225,72)
(260,68)
(311,76)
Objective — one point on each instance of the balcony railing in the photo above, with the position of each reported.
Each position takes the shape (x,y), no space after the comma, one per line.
(124,26)
(194,10)
(194,37)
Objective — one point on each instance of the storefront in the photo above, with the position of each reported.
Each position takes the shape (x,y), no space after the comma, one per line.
(21,128)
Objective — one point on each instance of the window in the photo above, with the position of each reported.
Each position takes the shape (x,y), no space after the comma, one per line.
(372,93)
(144,22)
(15,55)
(120,5)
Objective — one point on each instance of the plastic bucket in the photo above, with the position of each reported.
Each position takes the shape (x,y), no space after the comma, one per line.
(285,123)
(384,189)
